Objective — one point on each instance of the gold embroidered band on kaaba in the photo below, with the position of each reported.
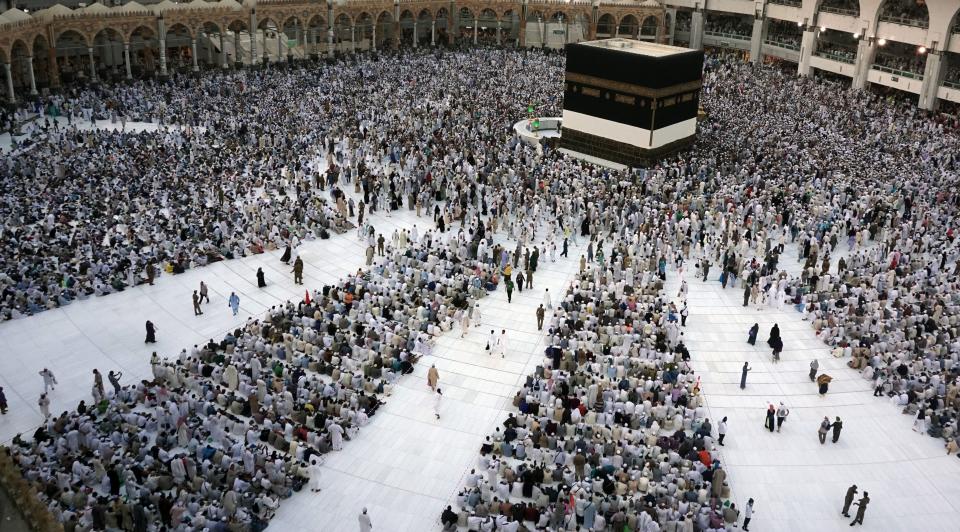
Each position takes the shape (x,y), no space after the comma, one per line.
(629,88)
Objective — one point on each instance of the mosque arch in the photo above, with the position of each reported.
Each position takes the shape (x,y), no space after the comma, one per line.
(905,12)
(649,27)
(628,26)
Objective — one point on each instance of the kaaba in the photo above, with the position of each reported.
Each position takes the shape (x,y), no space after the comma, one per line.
(630,101)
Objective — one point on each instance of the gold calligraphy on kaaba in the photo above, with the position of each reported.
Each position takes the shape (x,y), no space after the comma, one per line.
(629,88)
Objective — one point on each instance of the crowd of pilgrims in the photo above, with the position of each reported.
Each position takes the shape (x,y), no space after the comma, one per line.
(857,189)
(610,431)
(226,430)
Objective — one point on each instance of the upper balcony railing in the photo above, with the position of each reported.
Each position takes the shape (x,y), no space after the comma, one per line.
(840,11)
(783,44)
(902,73)
(904,21)
(837,56)
(723,35)
(791,3)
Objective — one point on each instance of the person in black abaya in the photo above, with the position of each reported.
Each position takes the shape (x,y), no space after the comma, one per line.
(261,280)
(528,483)
(286,255)
(775,342)
(151,333)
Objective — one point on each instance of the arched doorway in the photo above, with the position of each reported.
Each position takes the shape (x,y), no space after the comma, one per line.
(384,35)
(143,52)
(238,33)
(273,49)
(443,23)
(628,27)
(509,27)
(648,30)
(316,40)
(905,12)
(487,31)
(292,38)
(426,32)
(41,62)
(179,49)
(209,45)
(20,64)
(364,31)
(407,26)
(466,26)
(606,26)
(536,28)
(108,49)
(73,58)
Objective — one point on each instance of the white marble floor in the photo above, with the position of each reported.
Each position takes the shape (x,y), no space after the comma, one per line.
(797,483)
(406,465)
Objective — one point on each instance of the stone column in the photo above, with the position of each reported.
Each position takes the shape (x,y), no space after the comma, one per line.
(281,36)
(696,30)
(353,38)
(330,22)
(396,24)
(93,64)
(433,33)
(476,23)
(237,57)
(163,57)
(162,41)
(253,38)
(223,51)
(373,38)
(54,67)
(933,73)
(193,49)
(756,39)
(453,21)
(126,60)
(499,36)
(209,49)
(33,81)
(808,45)
(114,61)
(594,18)
(9,75)
(866,50)
(673,26)
(415,35)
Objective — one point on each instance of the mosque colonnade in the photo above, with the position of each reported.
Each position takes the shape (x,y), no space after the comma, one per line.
(58,45)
